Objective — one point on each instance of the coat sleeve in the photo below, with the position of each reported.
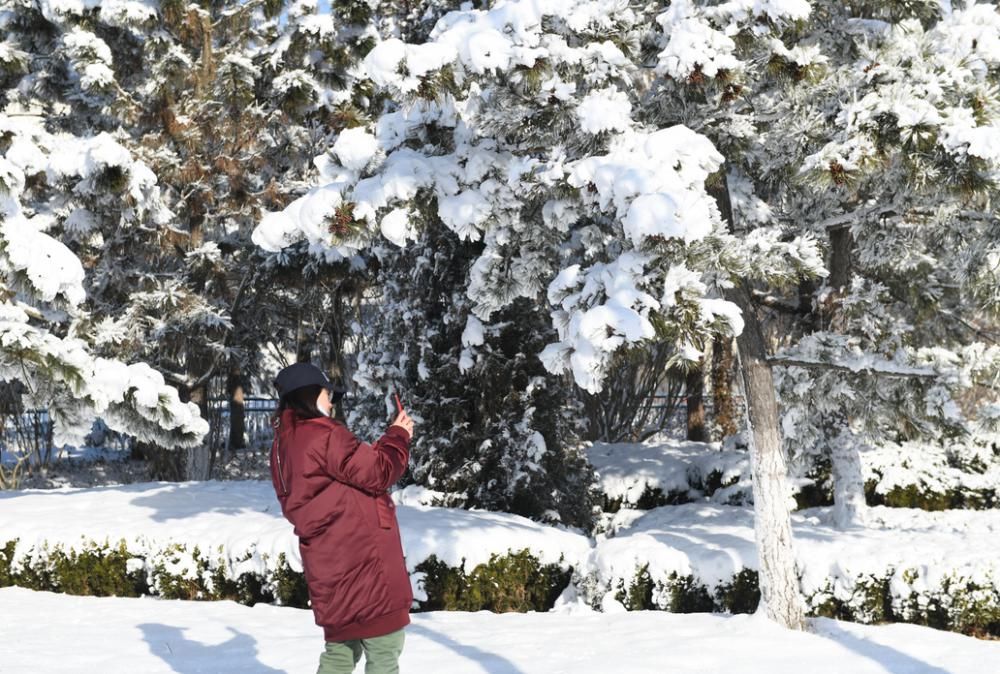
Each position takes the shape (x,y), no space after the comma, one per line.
(371,468)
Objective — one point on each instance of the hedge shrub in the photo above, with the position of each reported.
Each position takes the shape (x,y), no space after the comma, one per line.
(699,487)
(111,570)
(926,498)
(954,603)
(687,594)
(513,582)
(517,581)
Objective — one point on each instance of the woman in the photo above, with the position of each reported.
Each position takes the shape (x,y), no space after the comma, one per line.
(334,489)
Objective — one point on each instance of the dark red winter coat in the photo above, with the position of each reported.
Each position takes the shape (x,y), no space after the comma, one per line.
(333,489)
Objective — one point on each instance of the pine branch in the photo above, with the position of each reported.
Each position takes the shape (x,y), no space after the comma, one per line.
(989,336)
(763,299)
(846,219)
(868,369)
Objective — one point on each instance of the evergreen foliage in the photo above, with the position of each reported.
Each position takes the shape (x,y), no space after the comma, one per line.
(185,121)
(867,128)
(516,581)
(531,146)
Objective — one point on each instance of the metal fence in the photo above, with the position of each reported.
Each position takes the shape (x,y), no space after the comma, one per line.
(678,419)
(27,434)
(256,418)
(30,433)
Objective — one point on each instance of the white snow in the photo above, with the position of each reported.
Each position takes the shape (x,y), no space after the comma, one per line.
(114,12)
(395,63)
(713,309)
(931,467)
(655,181)
(396,226)
(243,521)
(463,213)
(921,551)
(590,330)
(355,148)
(962,136)
(305,218)
(607,110)
(49,632)
(626,470)
(694,44)
(472,335)
(238,528)
(650,182)
(52,269)
(93,386)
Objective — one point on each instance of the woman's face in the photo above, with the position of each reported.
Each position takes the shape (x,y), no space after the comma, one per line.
(323,403)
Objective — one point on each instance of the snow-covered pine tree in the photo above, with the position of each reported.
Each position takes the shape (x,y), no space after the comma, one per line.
(95,72)
(526,128)
(42,350)
(868,126)
(495,429)
(907,185)
(223,104)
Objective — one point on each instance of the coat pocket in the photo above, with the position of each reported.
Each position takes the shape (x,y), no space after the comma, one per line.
(384,508)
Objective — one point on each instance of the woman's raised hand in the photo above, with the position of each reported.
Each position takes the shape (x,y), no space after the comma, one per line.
(404,421)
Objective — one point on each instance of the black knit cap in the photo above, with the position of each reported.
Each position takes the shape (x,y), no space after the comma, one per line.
(298,375)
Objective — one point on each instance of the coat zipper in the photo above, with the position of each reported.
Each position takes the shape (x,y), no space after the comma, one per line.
(277,457)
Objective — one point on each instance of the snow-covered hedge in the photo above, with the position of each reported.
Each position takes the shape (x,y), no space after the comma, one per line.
(665,471)
(227,540)
(516,581)
(106,569)
(907,565)
(932,477)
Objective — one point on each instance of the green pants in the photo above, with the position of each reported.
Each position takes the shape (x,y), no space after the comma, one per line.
(381,655)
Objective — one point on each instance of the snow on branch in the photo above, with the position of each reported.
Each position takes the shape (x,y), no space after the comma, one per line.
(521,127)
(30,257)
(867,365)
(61,375)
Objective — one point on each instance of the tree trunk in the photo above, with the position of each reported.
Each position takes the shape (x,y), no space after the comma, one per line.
(237,410)
(694,384)
(198,459)
(723,383)
(168,465)
(303,343)
(779,583)
(841,244)
(198,462)
(849,505)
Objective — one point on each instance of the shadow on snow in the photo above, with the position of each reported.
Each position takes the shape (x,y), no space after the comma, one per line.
(236,654)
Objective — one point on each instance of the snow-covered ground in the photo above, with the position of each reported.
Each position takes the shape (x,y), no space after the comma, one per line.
(239,527)
(921,553)
(243,521)
(685,470)
(46,632)
(714,542)
(102,466)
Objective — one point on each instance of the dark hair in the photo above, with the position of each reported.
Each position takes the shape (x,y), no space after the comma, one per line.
(302,401)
